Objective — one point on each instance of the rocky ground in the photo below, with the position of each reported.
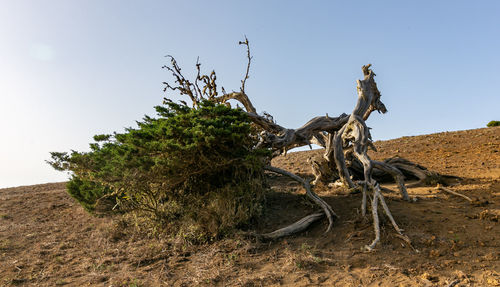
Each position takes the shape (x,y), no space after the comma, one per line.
(46,239)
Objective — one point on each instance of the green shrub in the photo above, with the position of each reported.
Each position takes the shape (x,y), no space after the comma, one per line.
(493,124)
(192,171)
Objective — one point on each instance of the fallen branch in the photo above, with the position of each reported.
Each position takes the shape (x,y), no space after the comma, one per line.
(296,227)
(439,187)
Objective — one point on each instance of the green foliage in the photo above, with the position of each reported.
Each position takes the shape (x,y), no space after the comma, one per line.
(193,171)
(86,192)
(493,124)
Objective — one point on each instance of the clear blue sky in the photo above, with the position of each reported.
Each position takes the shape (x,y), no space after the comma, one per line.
(72,69)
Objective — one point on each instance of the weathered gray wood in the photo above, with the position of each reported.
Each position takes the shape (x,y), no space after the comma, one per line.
(439,187)
(356,133)
(339,159)
(396,173)
(294,228)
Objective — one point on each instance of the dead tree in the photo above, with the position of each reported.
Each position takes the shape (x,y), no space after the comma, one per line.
(346,140)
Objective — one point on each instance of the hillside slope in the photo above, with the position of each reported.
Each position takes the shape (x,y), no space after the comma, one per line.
(47,239)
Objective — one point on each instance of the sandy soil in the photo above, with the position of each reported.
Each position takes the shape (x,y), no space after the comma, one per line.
(46,239)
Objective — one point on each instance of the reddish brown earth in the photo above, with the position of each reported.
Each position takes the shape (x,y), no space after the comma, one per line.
(46,239)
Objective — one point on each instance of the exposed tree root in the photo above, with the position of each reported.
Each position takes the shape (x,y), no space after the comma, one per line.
(377,196)
(396,173)
(313,196)
(396,169)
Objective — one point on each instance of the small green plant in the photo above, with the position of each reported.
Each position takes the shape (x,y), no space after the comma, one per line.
(61,282)
(305,247)
(5,244)
(18,281)
(493,124)
(231,258)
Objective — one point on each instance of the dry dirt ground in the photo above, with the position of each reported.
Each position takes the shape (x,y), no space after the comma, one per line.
(46,239)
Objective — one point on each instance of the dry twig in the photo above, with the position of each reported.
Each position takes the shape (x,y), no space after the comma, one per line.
(439,187)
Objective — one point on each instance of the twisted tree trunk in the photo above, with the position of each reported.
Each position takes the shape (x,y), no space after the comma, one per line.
(346,140)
